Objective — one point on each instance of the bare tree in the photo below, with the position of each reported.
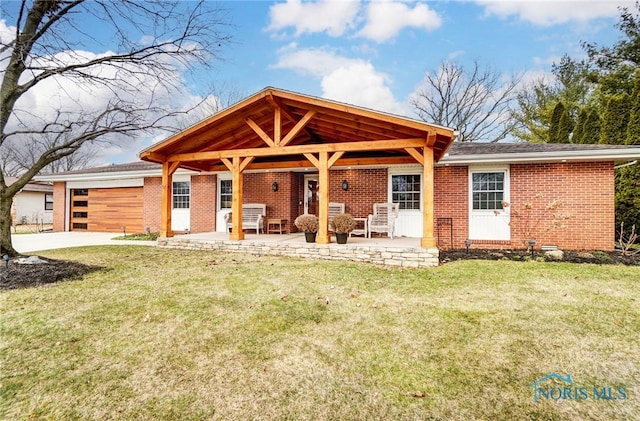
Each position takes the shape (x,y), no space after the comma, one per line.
(17,158)
(128,90)
(475,102)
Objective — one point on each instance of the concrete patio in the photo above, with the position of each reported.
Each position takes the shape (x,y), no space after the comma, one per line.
(399,251)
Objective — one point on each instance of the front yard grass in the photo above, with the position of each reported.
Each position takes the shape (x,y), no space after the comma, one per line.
(166,335)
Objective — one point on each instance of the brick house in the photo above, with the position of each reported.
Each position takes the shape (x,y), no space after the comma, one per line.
(497,195)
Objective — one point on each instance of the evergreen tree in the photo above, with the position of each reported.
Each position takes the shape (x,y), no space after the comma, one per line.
(615,120)
(592,127)
(554,124)
(578,132)
(633,128)
(565,127)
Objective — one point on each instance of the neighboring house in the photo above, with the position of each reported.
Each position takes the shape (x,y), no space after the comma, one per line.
(293,152)
(33,204)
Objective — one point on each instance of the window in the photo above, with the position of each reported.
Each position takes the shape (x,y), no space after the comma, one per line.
(405,190)
(181,194)
(81,192)
(488,190)
(48,201)
(225,194)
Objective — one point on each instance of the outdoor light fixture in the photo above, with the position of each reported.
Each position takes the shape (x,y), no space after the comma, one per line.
(6,260)
(467,244)
(345,185)
(274,186)
(532,243)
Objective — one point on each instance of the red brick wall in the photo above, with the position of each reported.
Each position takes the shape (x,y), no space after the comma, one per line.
(585,189)
(451,200)
(203,203)
(152,203)
(59,204)
(587,194)
(366,187)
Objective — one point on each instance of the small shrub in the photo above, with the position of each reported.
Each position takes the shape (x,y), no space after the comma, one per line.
(627,241)
(602,257)
(343,223)
(307,223)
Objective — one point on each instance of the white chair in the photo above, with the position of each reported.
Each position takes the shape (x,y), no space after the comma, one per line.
(383,218)
(252,217)
(334,209)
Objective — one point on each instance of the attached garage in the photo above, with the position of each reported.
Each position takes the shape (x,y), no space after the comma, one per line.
(107,209)
(106,199)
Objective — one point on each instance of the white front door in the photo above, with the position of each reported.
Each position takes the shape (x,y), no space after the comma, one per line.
(223,201)
(405,189)
(488,192)
(181,204)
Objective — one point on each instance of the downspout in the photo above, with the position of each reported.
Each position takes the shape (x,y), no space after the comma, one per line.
(628,164)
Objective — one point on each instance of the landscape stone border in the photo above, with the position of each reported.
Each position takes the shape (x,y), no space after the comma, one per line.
(407,257)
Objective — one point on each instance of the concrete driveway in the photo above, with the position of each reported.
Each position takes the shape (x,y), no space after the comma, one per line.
(27,243)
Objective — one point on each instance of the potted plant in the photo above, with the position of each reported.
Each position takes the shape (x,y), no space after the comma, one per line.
(309,224)
(342,225)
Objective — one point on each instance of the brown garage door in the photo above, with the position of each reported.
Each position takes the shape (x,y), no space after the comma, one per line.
(107,210)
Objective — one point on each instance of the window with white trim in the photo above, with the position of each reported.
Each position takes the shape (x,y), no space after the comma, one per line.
(488,190)
(181,194)
(406,191)
(225,193)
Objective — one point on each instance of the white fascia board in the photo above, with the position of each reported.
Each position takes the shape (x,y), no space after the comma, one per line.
(616,155)
(116,175)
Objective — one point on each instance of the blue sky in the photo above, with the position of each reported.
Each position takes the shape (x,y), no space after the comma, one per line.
(375,53)
(337,49)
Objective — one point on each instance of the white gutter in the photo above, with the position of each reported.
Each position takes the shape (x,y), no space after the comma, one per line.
(591,155)
(114,175)
(628,164)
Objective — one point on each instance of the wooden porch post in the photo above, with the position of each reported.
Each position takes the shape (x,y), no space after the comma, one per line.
(236,200)
(323,191)
(428,240)
(168,168)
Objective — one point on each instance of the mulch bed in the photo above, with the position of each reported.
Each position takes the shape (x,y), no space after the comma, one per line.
(32,275)
(597,257)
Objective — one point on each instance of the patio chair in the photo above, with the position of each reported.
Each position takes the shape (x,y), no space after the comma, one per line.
(334,209)
(252,217)
(383,218)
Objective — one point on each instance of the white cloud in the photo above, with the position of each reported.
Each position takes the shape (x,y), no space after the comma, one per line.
(330,16)
(343,79)
(315,62)
(552,12)
(385,19)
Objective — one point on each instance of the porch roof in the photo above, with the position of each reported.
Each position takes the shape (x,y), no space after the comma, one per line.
(278,127)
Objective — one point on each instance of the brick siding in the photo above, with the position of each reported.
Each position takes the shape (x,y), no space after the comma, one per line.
(152,203)
(586,189)
(587,192)
(59,204)
(203,203)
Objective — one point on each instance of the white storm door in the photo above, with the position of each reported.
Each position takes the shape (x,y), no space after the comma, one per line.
(181,205)
(223,201)
(488,191)
(405,189)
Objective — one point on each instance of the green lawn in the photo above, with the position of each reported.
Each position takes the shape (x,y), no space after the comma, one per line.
(173,335)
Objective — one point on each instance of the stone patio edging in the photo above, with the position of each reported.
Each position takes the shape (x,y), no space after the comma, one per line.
(388,256)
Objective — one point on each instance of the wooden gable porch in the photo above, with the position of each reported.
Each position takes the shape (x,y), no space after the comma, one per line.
(276,129)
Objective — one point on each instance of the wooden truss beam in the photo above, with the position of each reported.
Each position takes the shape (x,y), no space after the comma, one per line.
(385,144)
